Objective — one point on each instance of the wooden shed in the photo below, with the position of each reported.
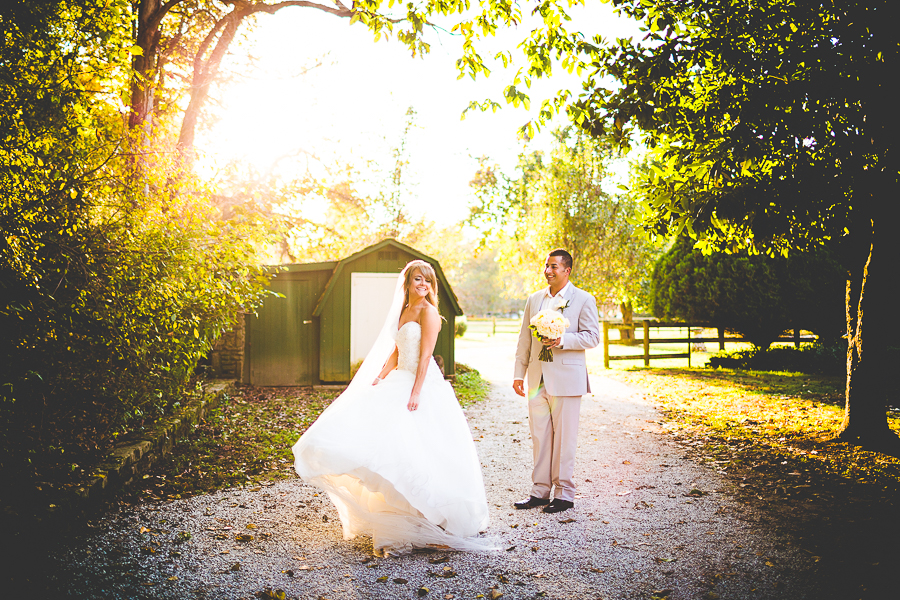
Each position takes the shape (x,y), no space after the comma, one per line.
(329,316)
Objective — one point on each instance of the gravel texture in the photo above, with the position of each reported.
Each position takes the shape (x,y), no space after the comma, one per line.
(647,522)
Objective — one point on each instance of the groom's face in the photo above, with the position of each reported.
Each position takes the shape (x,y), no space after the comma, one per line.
(555,273)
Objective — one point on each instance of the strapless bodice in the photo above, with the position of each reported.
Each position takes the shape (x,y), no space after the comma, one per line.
(409,344)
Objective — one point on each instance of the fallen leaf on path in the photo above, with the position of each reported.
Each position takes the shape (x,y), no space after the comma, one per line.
(382,579)
(400,580)
(567,521)
(252,526)
(623,493)
(495,594)
(235,567)
(243,537)
(437,561)
(422,591)
(447,573)
(626,462)
(511,548)
(660,559)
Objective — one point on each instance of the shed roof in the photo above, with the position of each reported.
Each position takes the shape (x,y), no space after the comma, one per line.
(454,301)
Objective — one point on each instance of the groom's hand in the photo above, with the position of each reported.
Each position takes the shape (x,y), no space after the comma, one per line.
(551,343)
(519,387)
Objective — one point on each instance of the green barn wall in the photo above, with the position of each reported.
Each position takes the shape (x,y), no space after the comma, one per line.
(281,342)
(294,341)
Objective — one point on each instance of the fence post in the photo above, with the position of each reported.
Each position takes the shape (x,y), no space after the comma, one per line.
(796,337)
(494,326)
(689,345)
(721,338)
(605,344)
(646,343)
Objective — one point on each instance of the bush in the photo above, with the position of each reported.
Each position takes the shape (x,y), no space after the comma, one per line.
(811,358)
(757,296)
(462,368)
(469,386)
(460,326)
(116,274)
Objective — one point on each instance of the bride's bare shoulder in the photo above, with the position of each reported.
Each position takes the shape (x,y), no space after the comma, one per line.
(428,313)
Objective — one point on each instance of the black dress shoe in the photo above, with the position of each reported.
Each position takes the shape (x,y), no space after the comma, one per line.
(558,506)
(532,502)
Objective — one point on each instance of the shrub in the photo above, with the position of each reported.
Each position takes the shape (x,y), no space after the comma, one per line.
(811,358)
(462,368)
(758,296)
(469,386)
(116,273)
(460,326)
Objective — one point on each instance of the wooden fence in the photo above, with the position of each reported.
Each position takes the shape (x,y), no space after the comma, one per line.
(689,341)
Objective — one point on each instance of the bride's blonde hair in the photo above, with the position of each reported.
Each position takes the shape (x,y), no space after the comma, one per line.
(427,271)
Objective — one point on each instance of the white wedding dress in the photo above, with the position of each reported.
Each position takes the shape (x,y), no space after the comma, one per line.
(407,478)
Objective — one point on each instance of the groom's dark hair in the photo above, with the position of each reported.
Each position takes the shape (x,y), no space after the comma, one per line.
(565,256)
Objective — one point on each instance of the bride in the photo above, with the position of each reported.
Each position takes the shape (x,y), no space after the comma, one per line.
(394,451)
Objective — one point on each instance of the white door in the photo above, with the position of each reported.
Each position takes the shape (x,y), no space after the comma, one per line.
(370,301)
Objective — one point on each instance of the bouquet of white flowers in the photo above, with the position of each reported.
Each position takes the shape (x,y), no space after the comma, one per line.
(548,324)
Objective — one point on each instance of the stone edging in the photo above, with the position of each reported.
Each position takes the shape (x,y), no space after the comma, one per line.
(128,459)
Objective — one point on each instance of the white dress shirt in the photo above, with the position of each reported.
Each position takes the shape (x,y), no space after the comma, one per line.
(546,302)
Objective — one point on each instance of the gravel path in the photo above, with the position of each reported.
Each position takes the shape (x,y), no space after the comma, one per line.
(647,519)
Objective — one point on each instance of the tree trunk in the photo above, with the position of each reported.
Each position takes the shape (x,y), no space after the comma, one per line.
(205,71)
(150,13)
(869,319)
(627,334)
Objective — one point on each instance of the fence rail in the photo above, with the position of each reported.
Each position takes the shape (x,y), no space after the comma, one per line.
(646,324)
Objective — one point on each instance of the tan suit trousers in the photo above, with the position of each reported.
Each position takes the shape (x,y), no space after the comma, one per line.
(554,434)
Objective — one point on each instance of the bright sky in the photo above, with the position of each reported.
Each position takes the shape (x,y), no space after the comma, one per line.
(353,107)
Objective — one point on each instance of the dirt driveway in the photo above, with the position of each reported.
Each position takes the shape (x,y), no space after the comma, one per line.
(647,522)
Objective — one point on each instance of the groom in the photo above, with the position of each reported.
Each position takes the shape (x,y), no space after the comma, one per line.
(555,388)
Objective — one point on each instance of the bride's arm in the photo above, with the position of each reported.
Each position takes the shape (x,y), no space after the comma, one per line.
(431,326)
(389,365)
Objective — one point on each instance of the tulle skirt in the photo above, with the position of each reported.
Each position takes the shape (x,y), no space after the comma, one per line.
(407,478)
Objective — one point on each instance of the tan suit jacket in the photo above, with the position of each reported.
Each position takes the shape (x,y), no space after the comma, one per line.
(567,375)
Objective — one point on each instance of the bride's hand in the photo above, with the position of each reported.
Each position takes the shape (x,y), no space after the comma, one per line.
(413,403)
(377,381)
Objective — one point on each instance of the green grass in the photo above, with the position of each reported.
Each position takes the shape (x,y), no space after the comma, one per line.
(247,440)
(469,386)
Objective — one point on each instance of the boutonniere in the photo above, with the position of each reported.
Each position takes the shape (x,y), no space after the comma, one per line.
(559,303)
